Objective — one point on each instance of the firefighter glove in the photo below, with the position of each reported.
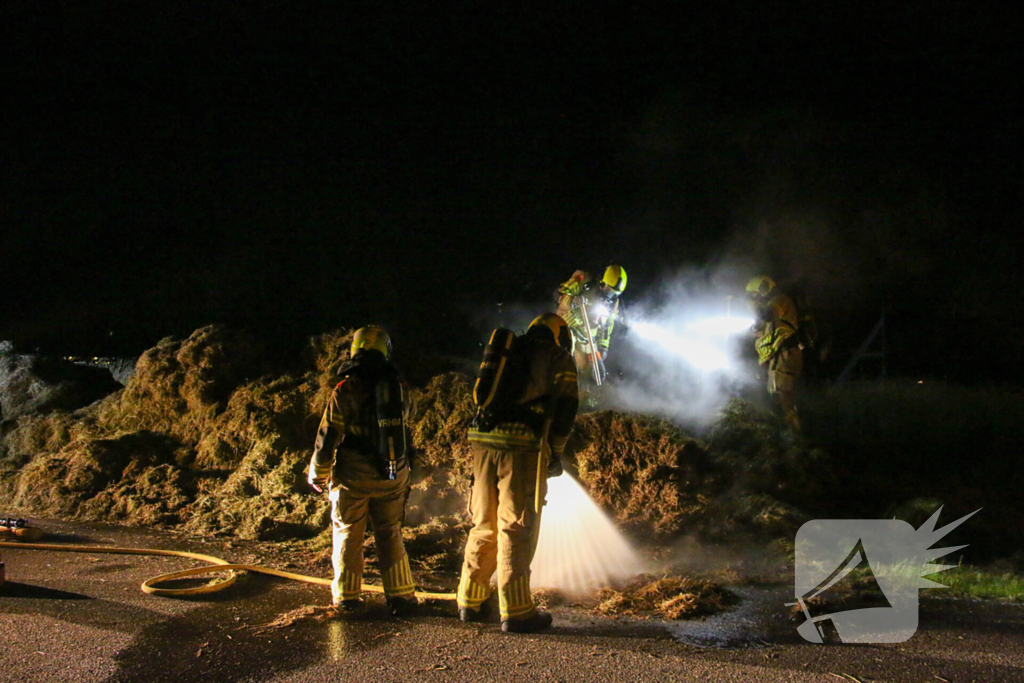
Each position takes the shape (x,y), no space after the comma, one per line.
(554,466)
(318,481)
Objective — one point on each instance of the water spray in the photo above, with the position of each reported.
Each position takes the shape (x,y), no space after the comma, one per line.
(579,548)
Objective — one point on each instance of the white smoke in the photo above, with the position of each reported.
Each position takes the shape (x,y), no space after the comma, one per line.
(685,348)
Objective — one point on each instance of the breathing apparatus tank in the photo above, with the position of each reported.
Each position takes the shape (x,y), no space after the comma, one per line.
(500,380)
(391,438)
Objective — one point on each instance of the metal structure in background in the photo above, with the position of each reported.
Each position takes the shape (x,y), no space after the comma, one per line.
(868,351)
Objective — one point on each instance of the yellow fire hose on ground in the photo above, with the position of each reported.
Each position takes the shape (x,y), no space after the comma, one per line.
(216,565)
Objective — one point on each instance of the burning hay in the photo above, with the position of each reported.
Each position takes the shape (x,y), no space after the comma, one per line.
(669,597)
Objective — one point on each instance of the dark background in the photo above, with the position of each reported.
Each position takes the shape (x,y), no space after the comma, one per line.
(169,165)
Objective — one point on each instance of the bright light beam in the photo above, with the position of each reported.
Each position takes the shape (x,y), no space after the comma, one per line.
(695,350)
(721,325)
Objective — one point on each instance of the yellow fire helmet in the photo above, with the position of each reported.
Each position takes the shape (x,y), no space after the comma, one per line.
(762,285)
(371,337)
(615,278)
(563,337)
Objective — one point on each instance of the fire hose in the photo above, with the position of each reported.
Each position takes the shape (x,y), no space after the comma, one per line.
(149,586)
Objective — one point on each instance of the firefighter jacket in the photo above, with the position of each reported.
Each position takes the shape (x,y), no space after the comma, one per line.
(550,394)
(346,443)
(776,328)
(603,312)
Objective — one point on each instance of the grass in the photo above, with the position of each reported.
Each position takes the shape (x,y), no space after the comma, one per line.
(965,581)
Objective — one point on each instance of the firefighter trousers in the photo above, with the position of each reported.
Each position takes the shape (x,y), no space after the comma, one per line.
(783,370)
(383,504)
(505,530)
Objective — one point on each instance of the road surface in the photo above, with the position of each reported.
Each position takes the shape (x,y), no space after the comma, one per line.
(82,618)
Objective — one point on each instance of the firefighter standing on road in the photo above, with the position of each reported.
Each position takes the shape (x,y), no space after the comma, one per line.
(777,342)
(506,474)
(360,455)
(603,310)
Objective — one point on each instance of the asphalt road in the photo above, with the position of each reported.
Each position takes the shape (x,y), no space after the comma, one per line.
(82,618)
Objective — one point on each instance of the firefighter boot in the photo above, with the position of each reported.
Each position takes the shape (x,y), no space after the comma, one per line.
(351,605)
(469,614)
(402,607)
(534,622)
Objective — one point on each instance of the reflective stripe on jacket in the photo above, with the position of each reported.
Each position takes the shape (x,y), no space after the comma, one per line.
(552,382)
(779,323)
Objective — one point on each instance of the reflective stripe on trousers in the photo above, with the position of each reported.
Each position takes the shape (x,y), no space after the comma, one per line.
(505,527)
(382,503)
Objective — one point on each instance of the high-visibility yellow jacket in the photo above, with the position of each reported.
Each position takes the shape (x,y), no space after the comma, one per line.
(602,312)
(550,393)
(776,328)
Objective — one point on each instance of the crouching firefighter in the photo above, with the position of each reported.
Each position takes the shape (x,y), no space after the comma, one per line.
(361,455)
(527,399)
(778,344)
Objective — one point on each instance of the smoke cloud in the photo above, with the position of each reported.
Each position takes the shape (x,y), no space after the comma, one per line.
(684,350)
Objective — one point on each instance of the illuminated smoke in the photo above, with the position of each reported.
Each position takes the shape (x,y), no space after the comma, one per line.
(682,352)
(579,548)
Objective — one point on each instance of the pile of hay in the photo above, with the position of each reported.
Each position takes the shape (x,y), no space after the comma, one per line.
(668,597)
(205,435)
(213,435)
(441,463)
(31,384)
(658,481)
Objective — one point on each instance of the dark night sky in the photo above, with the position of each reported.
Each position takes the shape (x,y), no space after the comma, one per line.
(171,166)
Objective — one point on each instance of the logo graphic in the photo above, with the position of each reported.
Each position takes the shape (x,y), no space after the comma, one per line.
(882,562)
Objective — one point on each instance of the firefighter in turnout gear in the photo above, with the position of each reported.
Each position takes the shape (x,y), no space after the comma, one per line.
(777,342)
(512,458)
(361,456)
(591,313)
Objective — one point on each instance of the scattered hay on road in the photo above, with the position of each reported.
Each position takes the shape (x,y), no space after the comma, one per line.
(668,597)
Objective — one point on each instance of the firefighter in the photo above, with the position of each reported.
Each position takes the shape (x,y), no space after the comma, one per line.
(604,309)
(777,342)
(507,470)
(360,456)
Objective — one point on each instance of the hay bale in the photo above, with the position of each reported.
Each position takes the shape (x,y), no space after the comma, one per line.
(323,357)
(272,410)
(266,490)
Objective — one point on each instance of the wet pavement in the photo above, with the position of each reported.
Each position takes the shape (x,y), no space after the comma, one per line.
(81,617)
